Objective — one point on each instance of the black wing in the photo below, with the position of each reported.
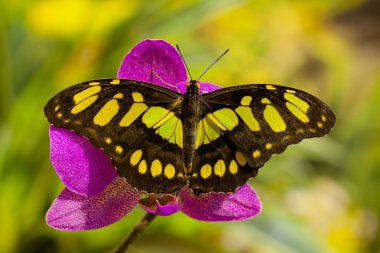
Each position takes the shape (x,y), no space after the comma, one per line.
(136,124)
(242,127)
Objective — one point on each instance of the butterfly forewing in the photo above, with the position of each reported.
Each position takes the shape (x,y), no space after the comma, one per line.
(136,124)
(242,127)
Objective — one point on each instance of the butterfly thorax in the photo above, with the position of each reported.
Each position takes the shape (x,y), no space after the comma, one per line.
(190,119)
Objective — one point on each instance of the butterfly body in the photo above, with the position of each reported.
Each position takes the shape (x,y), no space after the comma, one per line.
(190,118)
(162,141)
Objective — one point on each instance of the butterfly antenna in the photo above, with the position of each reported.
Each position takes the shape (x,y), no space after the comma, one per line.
(204,72)
(183,59)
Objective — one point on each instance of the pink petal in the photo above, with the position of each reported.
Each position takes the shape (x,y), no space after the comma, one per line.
(204,87)
(153,56)
(208,87)
(83,168)
(73,212)
(163,206)
(241,205)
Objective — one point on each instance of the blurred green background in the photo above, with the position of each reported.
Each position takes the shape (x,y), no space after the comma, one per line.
(319,196)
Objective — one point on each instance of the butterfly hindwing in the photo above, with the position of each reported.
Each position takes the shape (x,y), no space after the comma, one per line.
(158,163)
(218,166)
(136,124)
(246,125)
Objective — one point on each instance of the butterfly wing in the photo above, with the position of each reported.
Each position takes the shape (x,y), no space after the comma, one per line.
(242,127)
(136,124)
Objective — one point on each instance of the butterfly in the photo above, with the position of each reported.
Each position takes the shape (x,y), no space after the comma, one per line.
(161,140)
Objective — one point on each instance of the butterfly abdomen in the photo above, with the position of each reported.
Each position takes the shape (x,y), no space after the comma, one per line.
(190,119)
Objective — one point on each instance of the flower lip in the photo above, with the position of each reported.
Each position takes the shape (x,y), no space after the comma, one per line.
(161,204)
(162,199)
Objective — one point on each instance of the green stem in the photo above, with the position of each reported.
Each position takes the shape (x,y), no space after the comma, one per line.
(137,230)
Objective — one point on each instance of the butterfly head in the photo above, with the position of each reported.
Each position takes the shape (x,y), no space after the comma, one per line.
(192,87)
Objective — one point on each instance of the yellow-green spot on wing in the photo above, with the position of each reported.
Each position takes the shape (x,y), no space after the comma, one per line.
(246,115)
(256,153)
(153,115)
(172,130)
(169,171)
(177,136)
(156,168)
(119,149)
(233,168)
(118,95)
(134,112)
(167,129)
(303,105)
(211,117)
(115,81)
(274,119)
(108,111)
(205,171)
(200,135)
(291,91)
(240,158)
(265,101)
(142,167)
(212,131)
(227,118)
(86,93)
(297,112)
(167,117)
(84,104)
(135,157)
(137,97)
(246,100)
(220,168)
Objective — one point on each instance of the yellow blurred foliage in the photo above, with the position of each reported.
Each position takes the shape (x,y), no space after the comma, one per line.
(327,207)
(72,18)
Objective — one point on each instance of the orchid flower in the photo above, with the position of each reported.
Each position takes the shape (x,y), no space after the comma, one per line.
(95,196)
